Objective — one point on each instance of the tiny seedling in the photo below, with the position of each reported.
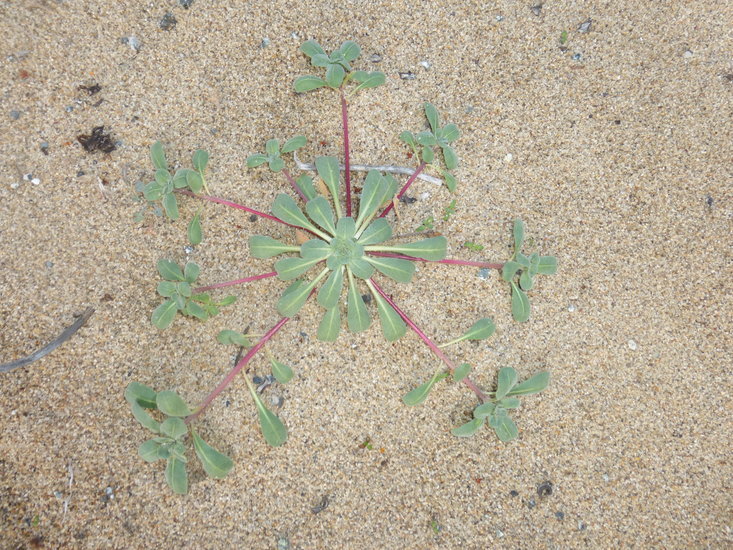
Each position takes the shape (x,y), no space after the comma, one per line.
(340,248)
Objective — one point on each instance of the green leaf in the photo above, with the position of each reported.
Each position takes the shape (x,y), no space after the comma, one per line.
(295,296)
(170,403)
(167,289)
(450,157)
(153,191)
(328,295)
(157,155)
(469,428)
(292,268)
(507,380)
(522,260)
(163,178)
(361,268)
(191,272)
(330,325)
(525,281)
(170,271)
(272,428)
(176,476)
(373,195)
(174,428)
(420,394)
(227,301)
(164,314)
(432,113)
(148,451)
(184,289)
(281,371)
(272,147)
(450,181)
(461,372)
(484,410)
(350,50)
(179,180)
(357,315)
(509,403)
(409,138)
(426,138)
(194,181)
(144,418)
(328,169)
(307,83)
(311,48)
(263,247)
(393,327)
(319,210)
(305,183)
(370,80)
(346,228)
(256,160)
(194,230)
(170,205)
(535,384)
(216,464)
(432,249)
(376,232)
(451,133)
(518,235)
(232,337)
(293,143)
(335,74)
(320,60)
(395,268)
(195,310)
(427,155)
(480,330)
(315,249)
(285,209)
(200,160)
(504,427)
(510,270)
(141,394)
(276,163)
(520,304)
(547,265)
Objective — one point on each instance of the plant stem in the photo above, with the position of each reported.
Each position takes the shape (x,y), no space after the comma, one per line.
(238,367)
(411,179)
(234,205)
(447,261)
(235,282)
(347,172)
(435,349)
(294,185)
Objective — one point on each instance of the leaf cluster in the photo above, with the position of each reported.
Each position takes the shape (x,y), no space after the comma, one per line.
(338,68)
(177,289)
(520,271)
(273,153)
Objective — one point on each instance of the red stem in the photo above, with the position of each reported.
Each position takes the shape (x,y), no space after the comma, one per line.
(451,262)
(347,170)
(234,205)
(435,349)
(238,367)
(235,282)
(412,178)
(295,185)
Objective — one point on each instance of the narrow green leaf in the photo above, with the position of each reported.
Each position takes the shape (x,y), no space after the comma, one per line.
(361,268)
(305,183)
(157,155)
(293,144)
(451,133)
(195,310)
(194,181)
(370,195)
(518,235)
(315,249)
(200,160)
(164,314)
(311,48)
(295,296)
(281,371)
(285,209)
(504,427)
(525,281)
(480,330)
(191,272)
(450,157)
(346,228)
(227,301)
(484,410)
(170,205)
(328,295)
(272,147)
(461,372)
(232,337)
(395,268)
(393,327)
(148,451)
(216,464)
(194,230)
(272,428)
(263,247)
(328,170)
(432,113)
(450,181)
(170,403)
(520,304)
(469,428)
(141,394)
(370,80)
(547,265)
(144,418)
(376,232)
(522,260)
(432,249)
(507,380)
(335,74)
(510,270)
(350,50)
(319,210)
(176,476)
(420,394)
(292,268)
(330,325)
(256,160)
(535,384)
(357,315)
(174,428)
(307,83)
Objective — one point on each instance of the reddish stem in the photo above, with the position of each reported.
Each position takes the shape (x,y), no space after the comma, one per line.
(234,205)
(294,185)
(238,367)
(435,349)
(347,171)
(411,179)
(235,282)
(450,262)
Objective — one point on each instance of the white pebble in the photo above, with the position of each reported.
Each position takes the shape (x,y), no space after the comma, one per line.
(35,181)
(632,345)
(571,308)
(424,196)
(508,157)
(14,185)
(425,64)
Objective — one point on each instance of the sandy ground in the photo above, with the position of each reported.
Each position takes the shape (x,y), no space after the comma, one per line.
(614,148)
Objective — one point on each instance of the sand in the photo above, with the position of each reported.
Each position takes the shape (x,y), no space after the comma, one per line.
(615,148)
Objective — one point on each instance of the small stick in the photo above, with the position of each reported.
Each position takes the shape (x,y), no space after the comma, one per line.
(63,337)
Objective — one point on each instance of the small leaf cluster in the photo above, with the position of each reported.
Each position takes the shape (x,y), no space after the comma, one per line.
(171,435)
(273,151)
(163,187)
(177,289)
(422,143)
(523,269)
(496,410)
(338,68)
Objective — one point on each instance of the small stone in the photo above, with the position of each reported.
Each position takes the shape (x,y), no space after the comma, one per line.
(571,308)
(576,57)
(14,115)
(585,26)
(537,9)
(188,249)
(409,75)
(483,273)
(185,4)
(35,181)
(500,18)
(265,42)
(544,489)
(468,109)
(581,526)
(294,35)
(605,478)
(499,533)
(531,504)
(27,177)
(425,64)
(44,147)
(58,494)
(509,157)
(69,108)
(688,54)
(366,298)
(14,185)
(227,403)
(168,22)
(514,493)
(560,515)
(632,345)
(375,58)
(133,42)
(257,380)
(109,492)
(276,400)
(709,201)
(283,544)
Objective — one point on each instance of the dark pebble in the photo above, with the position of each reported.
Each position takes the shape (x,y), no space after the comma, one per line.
(576,57)
(409,75)
(227,403)
(514,493)
(407,200)
(531,504)
(257,380)
(544,489)
(168,22)
(253,218)
(14,115)
(185,3)
(560,515)
(709,200)
(375,58)
(367,298)
(44,147)
(537,10)
(80,173)
(585,26)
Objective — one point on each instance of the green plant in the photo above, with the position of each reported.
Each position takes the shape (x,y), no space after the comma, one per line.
(341,247)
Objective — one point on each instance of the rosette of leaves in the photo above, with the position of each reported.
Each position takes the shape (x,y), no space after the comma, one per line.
(423,143)
(340,250)
(338,68)
(177,290)
(171,436)
(520,271)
